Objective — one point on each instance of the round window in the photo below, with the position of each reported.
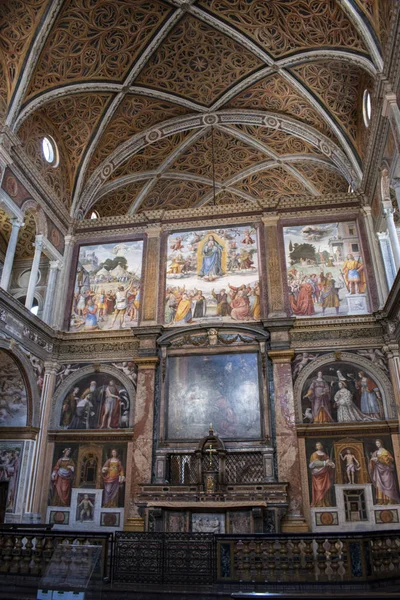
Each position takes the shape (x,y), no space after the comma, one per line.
(367,108)
(50,152)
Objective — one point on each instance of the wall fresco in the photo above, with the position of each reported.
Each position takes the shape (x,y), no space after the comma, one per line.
(212,276)
(325,270)
(13,393)
(107,287)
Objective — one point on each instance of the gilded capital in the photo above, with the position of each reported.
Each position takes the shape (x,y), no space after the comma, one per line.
(281,356)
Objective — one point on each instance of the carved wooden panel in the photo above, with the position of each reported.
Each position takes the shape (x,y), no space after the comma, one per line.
(275,94)
(326,180)
(283,27)
(279,141)
(273,181)
(197,62)
(174,194)
(118,202)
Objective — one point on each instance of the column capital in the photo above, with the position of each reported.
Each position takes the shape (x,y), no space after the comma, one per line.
(281,356)
(51,367)
(154,231)
(147,362)
(270,219)
(69,240)
(366,210)
(389,100)
(17,222)
(382,235)
(388,208)
(39,242)
(395,183)
(55,264)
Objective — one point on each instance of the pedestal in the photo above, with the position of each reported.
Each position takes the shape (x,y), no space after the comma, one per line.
(357,304)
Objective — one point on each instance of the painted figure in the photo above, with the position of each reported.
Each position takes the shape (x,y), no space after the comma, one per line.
(304,305)
(346,409)
(329,296)
(90,313)
(222,302)
(382,471)
(62,476)
(184,311)
(322,472)
(354,275)
(85,508)
(69,407)
(111,409)
(211,266)
(369,395)
(113,477)
(83,412)
(352,465)
(319,396)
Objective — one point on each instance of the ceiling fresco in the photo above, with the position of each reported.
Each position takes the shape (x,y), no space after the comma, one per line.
(136,93)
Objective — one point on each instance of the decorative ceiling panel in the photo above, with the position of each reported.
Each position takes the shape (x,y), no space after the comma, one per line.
(340,86)
(283,27)
(75,119)
(135,113)
(386,9)
(197,62)
(118,202)
(19,20)
(226,197)
(3,92)
(26,238)
(275,94)
(31,134)
(96,40)
(230,156)
(326,180)
(151,157)
(171,194)
(271,181)
(278,141)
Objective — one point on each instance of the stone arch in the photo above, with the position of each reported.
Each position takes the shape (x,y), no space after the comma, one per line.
(72,381)
(30,381)
(38,214)
(358,362)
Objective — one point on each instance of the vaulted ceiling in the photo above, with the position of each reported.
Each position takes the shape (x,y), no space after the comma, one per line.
(164,104)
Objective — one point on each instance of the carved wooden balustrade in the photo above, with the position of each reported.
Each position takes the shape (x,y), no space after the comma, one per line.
(28,551)
(309,558)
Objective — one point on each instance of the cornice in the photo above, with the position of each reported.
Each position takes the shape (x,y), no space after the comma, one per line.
(281,356)
(348,429)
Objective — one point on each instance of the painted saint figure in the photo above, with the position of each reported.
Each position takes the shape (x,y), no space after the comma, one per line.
(382,471)
(347,411)
(322,472)
(354,275)
(85,509)
(62,476)
(319,396)
(369,395)
(211,266)
(90,313)
(352,465)
(113,477)
(111,409)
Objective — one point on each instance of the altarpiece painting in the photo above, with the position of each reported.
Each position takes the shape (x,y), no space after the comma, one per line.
(212,275)
(219,389)
(325,270)
(107,287)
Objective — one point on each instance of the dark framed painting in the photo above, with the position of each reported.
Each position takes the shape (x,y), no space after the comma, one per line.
(221,389)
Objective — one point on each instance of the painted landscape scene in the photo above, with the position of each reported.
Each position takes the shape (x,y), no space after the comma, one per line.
(212,276)
(325,270)
(107,287)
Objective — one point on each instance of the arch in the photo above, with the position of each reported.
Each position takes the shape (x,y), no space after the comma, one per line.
(83,374)
(356,361)
(200,121)
(38,214)
(28,377)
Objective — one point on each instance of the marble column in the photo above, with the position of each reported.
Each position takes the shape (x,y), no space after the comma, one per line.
(9,260)
(387,257)
(393,359)
(394,240)
(37,502)
(61,296)
(396,186)
(376,256)
(55,267)
(276,301)
(34,272)
(142,453)
(287,447)
(151,277)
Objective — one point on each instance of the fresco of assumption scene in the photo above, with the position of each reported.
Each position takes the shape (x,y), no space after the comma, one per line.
(325,270)
(212,276)
(107,287)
